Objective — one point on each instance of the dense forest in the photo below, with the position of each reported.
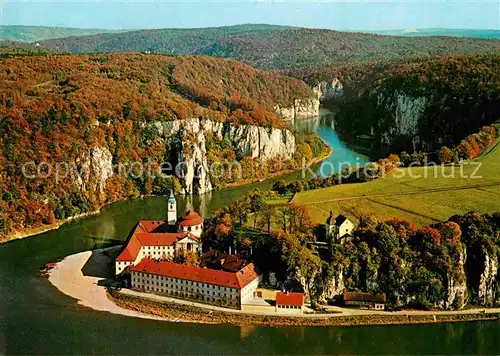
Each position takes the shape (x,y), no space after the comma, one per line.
(276,47)
(443,266)
(147,85)
(94,111)
(418,105)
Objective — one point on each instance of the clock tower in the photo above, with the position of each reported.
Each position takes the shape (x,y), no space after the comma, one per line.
(172,209)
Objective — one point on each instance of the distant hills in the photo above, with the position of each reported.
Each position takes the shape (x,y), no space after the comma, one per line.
(275,47)
(493,34)
(271,47)
(40,33)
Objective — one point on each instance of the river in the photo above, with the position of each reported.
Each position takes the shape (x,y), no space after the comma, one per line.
(35,318)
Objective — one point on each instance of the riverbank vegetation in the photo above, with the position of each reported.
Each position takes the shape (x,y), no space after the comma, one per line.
(222,153)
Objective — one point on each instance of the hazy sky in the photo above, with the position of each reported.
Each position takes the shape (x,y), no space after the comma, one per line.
(355,15)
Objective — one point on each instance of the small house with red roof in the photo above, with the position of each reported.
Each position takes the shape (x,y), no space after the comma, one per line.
(162,240)
(289,303)
(229,289)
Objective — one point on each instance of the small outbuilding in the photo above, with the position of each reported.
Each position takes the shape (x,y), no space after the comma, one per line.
(364,300)
(288,302)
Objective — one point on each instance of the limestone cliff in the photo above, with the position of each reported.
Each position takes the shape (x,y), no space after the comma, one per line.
(302,108)
(96,168)
(188,138)
(405,112)
(331,287)
(322,287)
(456,291)
(331,90)
(489,278)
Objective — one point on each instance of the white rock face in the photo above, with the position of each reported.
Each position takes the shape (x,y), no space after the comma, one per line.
(190,135)
(96,168)
(456,290)
(301,109)
(487,291)
(408,111)
(332,287)
(329,90)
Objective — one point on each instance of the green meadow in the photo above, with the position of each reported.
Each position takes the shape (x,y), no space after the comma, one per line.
(408,193)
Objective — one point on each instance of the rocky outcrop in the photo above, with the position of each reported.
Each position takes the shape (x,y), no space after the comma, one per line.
(456,288)
(330,288)
(96,168)
(301,109)
(188,138)
(487,292)
(329,90)
(404,113)
(324,288)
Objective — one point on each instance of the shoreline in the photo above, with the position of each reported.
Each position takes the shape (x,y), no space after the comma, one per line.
(18,235)
(67,277)
(33,231)
(85,277)
(199,315)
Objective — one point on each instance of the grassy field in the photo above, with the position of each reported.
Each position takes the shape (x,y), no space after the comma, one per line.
(407,192)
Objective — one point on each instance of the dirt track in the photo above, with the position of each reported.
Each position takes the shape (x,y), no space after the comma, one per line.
(409,192)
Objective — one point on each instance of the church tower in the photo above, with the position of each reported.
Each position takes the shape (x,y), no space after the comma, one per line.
(330,224)
(172,209)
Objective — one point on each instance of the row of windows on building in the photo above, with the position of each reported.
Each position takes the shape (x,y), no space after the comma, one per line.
(162,247)
(126,263)
(288,306)
(219,299)
(182,289)
(148,277)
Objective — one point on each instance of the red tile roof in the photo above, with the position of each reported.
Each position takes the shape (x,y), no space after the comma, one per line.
(296,299)
(215,259)
(364,297)
(149,233)
(130,251)
(159,239)
(149,225)
(236,280)
(190,218)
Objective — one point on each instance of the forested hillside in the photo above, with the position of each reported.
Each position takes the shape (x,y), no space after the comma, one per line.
(420,105)
(267,46)
(89,113)
(148,85)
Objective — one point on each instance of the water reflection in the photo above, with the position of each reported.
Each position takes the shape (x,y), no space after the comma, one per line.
(343,154)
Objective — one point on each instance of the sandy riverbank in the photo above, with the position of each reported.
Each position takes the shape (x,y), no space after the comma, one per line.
(84,276)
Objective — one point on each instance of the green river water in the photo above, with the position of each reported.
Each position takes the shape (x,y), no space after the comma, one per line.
(35,318)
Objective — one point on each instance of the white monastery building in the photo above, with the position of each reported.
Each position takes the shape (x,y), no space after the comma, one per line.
(153,244)
(229,289)
(162,240)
